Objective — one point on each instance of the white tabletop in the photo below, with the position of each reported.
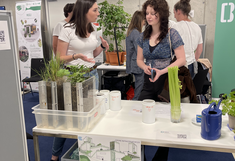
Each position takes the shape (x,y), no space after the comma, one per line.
(111,67)
(126,124)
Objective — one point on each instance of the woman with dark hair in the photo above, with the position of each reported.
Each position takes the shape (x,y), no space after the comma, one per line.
(77,45)
(190,33)
(155,47)
(68,12)
(133,32)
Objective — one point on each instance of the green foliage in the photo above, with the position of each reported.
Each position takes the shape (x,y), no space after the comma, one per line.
(88,152)
(113,15)
(77,73)
(127,158)
(53,70)
(228,105)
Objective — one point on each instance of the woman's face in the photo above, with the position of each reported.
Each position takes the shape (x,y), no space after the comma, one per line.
(92,13)
(151,16)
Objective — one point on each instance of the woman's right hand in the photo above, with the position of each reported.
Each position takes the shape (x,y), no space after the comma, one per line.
(147,70)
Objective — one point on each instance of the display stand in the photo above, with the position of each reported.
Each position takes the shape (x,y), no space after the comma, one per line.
(13,136)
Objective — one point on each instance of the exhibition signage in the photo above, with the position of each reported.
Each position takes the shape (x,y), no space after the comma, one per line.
(28,22)
(223,75)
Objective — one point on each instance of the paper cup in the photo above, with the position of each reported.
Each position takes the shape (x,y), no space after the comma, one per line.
(106,96)
(99,98)
(115,100)
(148,111)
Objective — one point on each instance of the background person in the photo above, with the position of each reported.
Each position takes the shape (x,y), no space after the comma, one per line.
(77,45)
(68,8)
(190,33)
(133,32)
(154,46)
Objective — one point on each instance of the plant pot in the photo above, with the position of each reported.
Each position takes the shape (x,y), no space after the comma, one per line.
(123,56)
(231,121)
(107,57)
(113,59)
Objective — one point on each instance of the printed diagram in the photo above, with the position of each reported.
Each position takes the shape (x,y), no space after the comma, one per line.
(23,53)
(2,37)
(117,150)
(30,32)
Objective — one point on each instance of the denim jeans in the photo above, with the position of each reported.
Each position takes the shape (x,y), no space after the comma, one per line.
(191,70)
(58,145)
(139,82)
(93,73)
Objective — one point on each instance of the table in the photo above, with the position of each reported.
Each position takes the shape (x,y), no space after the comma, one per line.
(124,124)
(101,69)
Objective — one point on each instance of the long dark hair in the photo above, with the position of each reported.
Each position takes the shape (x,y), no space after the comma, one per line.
(161,7)
(79,20)
(184,6)
(68,8)
(136,22)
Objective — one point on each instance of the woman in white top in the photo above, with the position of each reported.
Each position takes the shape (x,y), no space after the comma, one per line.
(68,12)
(77,45)
(190,33)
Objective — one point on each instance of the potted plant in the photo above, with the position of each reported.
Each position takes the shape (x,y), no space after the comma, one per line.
(113,16)
(228,107)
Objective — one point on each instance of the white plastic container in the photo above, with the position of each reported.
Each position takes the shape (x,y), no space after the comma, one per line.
(106,96)
(82,121)
(148,111)
(115,100)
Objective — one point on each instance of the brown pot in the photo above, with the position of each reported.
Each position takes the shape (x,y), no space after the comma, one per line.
(107,57)
(123,56)
(231,121)
(113,60)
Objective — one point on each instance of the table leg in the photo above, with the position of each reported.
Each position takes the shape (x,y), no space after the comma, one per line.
(100,74)
(36,147)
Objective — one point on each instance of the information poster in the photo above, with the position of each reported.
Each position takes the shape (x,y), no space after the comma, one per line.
(28,22)
(4,36)
(223,75)
(102,148)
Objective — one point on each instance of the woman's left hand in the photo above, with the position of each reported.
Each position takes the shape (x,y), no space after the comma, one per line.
(104,43)
(158,74)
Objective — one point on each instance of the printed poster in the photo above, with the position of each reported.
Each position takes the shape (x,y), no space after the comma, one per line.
(103,148)
(4,36)
(28,22)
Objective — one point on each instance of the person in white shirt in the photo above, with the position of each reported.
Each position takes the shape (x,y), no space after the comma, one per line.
(77,45)
(68,12)
(190,33)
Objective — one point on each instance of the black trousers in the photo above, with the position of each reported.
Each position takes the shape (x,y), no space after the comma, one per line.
(151,90)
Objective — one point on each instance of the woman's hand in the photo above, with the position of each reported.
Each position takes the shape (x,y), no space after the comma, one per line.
(85,58)
(158,74)
(104,43)
(147,70)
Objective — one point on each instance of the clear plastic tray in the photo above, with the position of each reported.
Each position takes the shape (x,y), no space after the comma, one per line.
(68,120)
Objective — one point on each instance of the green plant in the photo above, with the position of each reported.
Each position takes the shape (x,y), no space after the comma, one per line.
(228,104)
(77,73)
(53,70)
(113,15)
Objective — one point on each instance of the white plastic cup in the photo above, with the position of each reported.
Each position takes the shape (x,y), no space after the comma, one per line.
(99,98)
(148,111)
(115,100)
(106,96)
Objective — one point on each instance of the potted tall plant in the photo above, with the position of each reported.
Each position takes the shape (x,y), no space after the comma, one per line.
(113,16)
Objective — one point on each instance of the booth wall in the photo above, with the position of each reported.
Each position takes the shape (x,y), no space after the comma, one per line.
(204,13)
